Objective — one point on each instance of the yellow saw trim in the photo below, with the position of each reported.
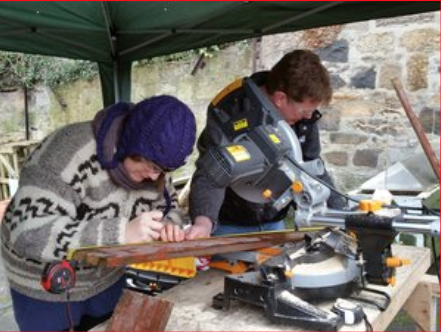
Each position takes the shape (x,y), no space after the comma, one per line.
(231,87)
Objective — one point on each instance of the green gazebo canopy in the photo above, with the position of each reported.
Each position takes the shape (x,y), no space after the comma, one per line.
(116,33)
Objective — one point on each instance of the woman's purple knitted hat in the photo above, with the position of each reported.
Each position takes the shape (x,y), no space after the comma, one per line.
(161,129)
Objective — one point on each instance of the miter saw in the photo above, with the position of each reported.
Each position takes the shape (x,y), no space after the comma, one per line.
(260,158)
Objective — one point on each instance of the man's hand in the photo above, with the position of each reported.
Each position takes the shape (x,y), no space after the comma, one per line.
(200,229)
(145,227)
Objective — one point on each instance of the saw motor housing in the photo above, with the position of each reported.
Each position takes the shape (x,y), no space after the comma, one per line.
(260,158)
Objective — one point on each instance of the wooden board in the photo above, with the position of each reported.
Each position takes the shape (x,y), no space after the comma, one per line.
(122,255)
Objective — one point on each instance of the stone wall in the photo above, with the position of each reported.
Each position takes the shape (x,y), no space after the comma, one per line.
(363,131)
(197,90)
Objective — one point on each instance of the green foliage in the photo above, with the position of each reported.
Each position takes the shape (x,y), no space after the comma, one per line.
(207,52)
(25,70)
(181,56)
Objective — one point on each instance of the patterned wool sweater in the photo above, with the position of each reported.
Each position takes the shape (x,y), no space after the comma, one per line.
(66,201)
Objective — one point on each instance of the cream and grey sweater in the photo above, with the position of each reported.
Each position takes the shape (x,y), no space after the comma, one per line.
(66,200)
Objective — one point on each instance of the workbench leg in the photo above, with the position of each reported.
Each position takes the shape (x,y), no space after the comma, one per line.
(15,165)
(422,304)
(140,312)
(3,183)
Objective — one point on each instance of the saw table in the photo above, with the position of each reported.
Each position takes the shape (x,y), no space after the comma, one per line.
(192,300)
(415,292)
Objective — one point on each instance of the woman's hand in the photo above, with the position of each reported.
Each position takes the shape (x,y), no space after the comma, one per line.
(172,233)
(145,227)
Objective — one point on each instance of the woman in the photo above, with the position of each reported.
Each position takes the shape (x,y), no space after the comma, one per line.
(101,182)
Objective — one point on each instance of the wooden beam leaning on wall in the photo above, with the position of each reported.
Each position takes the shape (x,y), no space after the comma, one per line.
(417,126)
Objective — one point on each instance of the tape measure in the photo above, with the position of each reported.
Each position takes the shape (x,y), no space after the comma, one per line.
(58,277)
(351,313)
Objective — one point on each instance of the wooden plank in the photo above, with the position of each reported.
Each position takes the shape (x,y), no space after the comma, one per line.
(15,165)
(422,304)
(12,156)
(11,171)
(12,147)
(153,251)
(434,283)
(3,184)
(139,312)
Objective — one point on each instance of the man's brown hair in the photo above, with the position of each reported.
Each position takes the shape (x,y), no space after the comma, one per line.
(301,75)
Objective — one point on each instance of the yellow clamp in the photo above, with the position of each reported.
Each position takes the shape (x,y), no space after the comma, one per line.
(368,205)
(396,262)
(392,281)
(184,267)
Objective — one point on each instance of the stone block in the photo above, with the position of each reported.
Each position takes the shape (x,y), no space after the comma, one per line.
(337,158)
(330,120)
(417,69)
(430,119)
(388,72)
(356,108)
(347,138)
(381,43)
(364,79)
(337,52)
(406,20)
(421,40)
(366,158)
(337,82)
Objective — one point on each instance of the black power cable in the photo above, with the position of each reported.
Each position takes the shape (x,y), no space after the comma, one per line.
(68,311)
(368,324)
(348,198)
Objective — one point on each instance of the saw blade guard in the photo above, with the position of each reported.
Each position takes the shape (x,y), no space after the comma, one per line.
(309,195)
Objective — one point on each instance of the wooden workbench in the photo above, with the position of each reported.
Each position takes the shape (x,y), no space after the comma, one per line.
(192,300)
(12,156)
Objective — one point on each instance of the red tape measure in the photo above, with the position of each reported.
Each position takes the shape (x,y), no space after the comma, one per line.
(58,277)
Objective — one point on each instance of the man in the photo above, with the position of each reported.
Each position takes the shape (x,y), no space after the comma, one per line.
(297,85)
